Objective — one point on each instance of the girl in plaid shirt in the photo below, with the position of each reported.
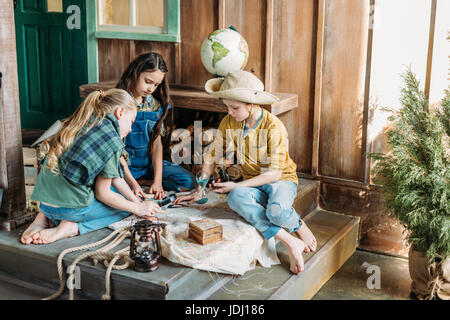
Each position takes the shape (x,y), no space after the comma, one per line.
(81,164)
(145,80)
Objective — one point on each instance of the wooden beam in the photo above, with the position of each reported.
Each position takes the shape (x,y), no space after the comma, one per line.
(430,46)
(318,85)
(12,179)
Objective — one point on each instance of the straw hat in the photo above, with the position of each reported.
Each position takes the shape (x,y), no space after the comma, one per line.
(241,86)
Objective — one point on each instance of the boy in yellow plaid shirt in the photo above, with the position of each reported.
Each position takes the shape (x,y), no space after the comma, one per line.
(259,140)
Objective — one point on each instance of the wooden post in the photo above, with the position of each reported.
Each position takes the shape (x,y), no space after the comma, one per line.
(269,45)
(12,180)
(318,86)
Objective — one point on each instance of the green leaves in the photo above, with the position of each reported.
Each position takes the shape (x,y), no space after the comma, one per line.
(414,176)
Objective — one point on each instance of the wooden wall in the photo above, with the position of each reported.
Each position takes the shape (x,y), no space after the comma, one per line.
(291,24)
(11,157)
(320,49)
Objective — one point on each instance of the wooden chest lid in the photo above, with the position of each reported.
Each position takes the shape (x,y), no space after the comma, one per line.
(204,224)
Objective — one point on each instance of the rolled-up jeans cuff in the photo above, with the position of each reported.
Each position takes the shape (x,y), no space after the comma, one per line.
(270,232)
(300,223)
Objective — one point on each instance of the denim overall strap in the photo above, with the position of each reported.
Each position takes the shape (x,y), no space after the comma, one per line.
(138,139)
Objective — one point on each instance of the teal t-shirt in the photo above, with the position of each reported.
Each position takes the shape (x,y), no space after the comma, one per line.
(56,190)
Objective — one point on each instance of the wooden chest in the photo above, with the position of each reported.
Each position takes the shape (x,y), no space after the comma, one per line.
(205,231)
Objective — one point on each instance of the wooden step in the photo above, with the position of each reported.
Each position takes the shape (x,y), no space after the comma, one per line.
(337,237)
(37,264)
(306,199)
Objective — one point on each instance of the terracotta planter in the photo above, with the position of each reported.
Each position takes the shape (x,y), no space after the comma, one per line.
(429,280)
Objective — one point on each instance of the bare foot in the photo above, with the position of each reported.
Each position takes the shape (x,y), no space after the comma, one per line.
(305,234)
(39,223)
(65,229)
(295,248)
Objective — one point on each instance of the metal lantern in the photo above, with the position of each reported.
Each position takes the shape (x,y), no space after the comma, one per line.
(145,247)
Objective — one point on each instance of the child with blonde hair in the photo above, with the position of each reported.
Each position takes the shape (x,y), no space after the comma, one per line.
(259,141)
(81,165)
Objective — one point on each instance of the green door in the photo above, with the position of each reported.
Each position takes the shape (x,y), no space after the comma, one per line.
(51,59)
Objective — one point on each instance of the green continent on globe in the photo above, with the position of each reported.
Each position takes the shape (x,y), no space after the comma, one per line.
(214,33)
(219,52)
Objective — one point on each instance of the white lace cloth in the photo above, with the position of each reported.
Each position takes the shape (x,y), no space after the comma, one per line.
(242,245)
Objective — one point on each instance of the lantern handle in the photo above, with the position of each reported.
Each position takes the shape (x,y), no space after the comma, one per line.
(158,241)
(132,242)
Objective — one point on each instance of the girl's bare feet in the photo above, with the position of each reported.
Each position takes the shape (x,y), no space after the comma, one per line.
(39,223)
(65,229)
(295,248)
(305,234)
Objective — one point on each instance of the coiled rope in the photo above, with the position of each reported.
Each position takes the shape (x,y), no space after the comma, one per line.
(103,254)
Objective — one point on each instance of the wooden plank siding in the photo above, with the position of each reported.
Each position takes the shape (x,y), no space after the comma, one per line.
(249,19)
(12,179)
(321,50)
(324,51)
(291,20)
(314,48)
(343,78)
(198,20)
(293,69)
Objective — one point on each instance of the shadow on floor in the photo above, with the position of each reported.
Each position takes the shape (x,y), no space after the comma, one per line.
(353,280)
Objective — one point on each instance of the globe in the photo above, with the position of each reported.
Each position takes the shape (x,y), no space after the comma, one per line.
(224,51)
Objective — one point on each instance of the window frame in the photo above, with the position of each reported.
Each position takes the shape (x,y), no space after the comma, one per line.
(171,32)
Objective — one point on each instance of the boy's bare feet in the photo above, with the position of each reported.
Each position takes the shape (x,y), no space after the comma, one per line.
(65,229)
(295,248)
(39,223)
(305,234)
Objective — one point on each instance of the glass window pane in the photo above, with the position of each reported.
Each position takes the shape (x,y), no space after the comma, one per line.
(150,13)
(115,12)
(54,6)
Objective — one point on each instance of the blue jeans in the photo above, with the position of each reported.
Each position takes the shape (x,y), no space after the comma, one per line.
(173,176)
(140,164)
(90,218)
(268,207)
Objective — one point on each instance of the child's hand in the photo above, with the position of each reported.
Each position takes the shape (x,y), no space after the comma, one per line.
(137,190)
(190,198)
(157,190)
(223,187)
(147,209)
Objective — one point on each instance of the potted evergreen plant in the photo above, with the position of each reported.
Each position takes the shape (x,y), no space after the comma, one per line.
(414,178)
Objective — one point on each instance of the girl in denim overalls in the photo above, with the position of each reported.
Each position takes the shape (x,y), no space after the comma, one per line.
(145,80)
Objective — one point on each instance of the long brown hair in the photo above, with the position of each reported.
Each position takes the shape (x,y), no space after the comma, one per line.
(150,62)
(97,104)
